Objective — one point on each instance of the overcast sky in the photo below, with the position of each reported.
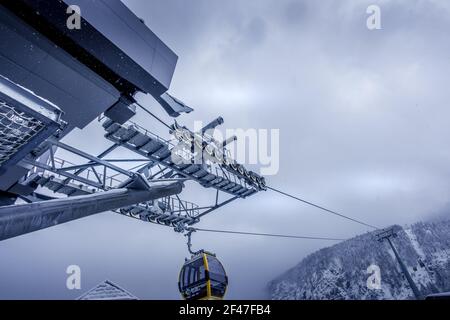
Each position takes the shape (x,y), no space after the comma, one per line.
(363,118)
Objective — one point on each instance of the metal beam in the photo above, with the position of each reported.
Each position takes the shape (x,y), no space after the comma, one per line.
(89,157)
(21,219)
(80,166)
(100,156)
(387,234)
(68,175)
(413,286)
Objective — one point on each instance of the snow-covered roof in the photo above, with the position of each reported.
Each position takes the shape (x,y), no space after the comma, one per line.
(107,290)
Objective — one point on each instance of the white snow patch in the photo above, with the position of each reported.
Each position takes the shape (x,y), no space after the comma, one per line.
(414,243)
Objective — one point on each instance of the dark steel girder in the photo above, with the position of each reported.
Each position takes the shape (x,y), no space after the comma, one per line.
(21,219)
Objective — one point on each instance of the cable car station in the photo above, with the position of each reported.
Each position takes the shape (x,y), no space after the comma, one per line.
(65,78)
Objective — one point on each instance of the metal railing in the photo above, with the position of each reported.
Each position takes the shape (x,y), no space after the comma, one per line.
(89,178)
(177,205)
(210,166)
(111,181)
(16,130)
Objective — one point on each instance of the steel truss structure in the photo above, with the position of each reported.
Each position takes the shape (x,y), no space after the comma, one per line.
(96,73)
(98,174)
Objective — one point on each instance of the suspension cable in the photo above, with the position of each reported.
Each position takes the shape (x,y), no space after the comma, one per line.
(322,208)
(267,234)
(153,115)
(276,190)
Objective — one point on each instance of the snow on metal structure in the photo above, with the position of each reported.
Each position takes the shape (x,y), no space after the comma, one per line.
(26,120)
(143,142)
(19,219)
(88,73)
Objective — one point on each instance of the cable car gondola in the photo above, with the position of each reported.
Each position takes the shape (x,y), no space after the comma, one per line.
(202,277)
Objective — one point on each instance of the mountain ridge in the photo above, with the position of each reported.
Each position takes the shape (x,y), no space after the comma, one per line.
(340,272)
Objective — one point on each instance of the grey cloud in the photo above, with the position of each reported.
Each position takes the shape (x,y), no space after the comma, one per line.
(363,119)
